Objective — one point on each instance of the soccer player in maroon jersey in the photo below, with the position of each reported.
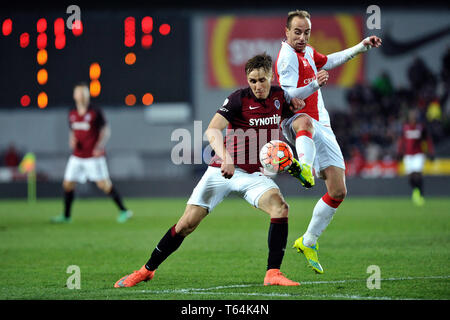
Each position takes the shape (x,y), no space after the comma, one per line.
(410,148)
(88,135)
(301,71)
(251,117)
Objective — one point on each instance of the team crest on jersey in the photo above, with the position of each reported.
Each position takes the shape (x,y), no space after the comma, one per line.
(87,117)
(277,103)
(305,63)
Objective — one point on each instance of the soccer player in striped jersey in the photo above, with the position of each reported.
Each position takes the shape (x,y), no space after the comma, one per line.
(301,71)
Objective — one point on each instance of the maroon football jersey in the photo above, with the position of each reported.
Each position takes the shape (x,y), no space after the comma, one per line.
(252,123)
(411,140)
(86,129)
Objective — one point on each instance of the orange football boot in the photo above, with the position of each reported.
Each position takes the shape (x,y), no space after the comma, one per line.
(133,279)
(274,277)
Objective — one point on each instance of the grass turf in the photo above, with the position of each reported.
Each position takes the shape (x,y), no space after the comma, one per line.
(225,258)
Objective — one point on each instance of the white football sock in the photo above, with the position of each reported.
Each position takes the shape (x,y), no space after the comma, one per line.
(322,214)
(306,149)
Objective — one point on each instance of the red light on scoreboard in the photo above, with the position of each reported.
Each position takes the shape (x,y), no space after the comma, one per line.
(41,25)
(147,24)
(130,32)
(58,26)
(25,100)
(60,41)
(146,41)
(77,28)
(24,40)
(164,29)
(41,41)
(7,27)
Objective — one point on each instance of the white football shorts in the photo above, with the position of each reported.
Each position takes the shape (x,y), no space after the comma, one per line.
(414,162)
(82,169)
(213,187)
(328,152)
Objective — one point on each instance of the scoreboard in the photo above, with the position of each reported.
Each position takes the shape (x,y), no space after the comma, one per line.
(127,58)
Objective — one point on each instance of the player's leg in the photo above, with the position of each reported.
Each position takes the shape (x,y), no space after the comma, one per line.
(210,191)
(110,190)
(97,171)
(73,173)
(273,203)
(299,131)
(416,183)
(413,166)
(170,242)
(323,212)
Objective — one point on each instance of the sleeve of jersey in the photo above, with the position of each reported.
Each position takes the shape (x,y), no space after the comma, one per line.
(231,106)
(287,73)
(101,121)
(319,59)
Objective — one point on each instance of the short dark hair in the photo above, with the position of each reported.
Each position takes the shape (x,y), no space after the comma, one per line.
(81,84)
(297,13)
(259,61)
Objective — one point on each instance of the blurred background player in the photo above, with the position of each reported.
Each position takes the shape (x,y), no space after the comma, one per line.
(301,71)
(88,136)
(411,143)
(235,168)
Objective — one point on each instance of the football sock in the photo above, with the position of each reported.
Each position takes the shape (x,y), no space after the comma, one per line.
(305,146)
(117,199)
(68,199)
(277,239)
(166,246)
(322,214)
(416,181)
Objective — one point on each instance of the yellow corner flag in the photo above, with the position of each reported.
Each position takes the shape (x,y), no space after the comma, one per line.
(28,163)
(28,166)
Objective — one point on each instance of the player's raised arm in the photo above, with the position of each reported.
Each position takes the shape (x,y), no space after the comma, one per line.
(338,58)
(215,138)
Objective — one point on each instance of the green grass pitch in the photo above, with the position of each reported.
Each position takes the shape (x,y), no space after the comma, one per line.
(225,258)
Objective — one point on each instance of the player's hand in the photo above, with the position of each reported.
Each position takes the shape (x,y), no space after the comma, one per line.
(227,170)
(98,152)
(72,142)
(322,77)
(372,41)
(297,104)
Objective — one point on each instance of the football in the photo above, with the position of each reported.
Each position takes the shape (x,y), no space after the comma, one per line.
(276,156)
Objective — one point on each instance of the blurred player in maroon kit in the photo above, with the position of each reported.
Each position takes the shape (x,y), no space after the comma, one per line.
(251,117)
(410,148)
(88,135)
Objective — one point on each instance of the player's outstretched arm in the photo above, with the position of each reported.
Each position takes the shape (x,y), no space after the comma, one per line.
(304,92)
(215,138)
(338,58)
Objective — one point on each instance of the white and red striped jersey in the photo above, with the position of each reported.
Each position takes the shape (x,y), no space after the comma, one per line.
(299,69)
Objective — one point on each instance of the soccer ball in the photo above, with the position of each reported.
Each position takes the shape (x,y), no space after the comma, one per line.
(276,156)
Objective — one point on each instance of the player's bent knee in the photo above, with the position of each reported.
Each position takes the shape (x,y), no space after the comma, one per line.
(280,211)
(338,194)
(68,186)
(190,220)
(303,123)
